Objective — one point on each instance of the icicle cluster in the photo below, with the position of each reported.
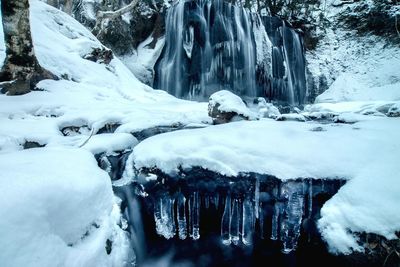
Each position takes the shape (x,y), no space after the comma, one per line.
(243,215)
(171,217)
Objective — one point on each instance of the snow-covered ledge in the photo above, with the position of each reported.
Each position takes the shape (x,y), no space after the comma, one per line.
(366,153)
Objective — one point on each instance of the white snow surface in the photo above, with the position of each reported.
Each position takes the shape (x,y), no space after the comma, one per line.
(366,153)
(50,200)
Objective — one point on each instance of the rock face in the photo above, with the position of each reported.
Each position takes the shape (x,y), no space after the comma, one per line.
(214,45)
(224,107)
(122,34)
(377,17)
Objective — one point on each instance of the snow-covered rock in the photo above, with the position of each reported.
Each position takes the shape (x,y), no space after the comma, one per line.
(291,117)
(224,106)
(266,110)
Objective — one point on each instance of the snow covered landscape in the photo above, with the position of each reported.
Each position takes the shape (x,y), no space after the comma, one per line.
(230,139)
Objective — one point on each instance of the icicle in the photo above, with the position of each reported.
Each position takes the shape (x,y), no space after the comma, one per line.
(225,221)
(157,216)
(261,220)
(196,216)
(189,218)
(181,215)
(247,222)
(173,216)
(275,221)
(216,199)
(257,197)
(207,202)
(291,224)
(163,216)
(310,200)
(234,223)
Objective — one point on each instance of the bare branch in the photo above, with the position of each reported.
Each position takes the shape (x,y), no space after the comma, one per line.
(117,13)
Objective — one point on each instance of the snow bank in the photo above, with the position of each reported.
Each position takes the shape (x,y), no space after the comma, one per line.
(366,153)
(56,210)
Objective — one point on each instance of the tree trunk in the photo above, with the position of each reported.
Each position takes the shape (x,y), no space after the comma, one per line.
(21,71)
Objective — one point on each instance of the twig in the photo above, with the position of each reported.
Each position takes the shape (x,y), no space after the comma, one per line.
(87,140)
(111,15)
(117,13)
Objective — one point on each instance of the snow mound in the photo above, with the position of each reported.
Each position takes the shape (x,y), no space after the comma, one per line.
(110,142)
(57,210)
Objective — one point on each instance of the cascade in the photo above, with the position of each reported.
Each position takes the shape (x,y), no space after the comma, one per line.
(212,45)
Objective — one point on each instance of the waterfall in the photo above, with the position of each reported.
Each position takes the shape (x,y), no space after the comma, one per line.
(288,79)
(209,47)
(212,45)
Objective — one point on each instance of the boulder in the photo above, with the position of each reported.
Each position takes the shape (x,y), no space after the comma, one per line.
(224,107)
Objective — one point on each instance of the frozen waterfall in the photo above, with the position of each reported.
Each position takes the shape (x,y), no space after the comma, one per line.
(212,45)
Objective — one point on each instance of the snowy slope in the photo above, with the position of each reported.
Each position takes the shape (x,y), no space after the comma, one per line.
(355,67)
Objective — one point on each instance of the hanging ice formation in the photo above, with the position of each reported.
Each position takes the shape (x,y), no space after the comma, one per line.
(244,213)
(212,45)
